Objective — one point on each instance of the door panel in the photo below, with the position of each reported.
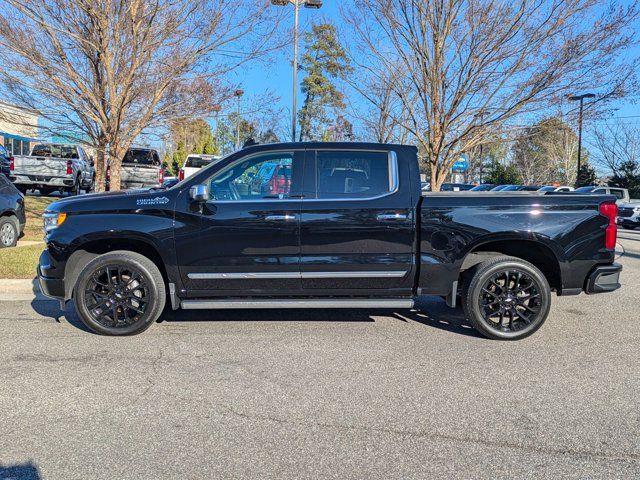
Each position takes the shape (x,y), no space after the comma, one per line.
(363,241)
(248,236)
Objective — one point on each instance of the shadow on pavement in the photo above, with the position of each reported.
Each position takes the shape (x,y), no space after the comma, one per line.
(20,471)
(429,311)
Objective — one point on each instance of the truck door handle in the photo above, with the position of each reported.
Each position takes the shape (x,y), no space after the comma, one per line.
(387,217)
(279,218)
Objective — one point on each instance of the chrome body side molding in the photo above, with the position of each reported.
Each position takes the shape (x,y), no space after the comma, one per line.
(303,275)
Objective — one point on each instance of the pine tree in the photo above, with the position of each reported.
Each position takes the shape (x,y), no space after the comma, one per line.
(324,62)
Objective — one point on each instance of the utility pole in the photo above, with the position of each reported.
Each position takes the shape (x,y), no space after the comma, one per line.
(580,98)
(296,8)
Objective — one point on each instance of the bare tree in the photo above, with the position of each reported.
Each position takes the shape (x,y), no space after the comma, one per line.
(615,144)
(106,71)
(382,115)
(465,68)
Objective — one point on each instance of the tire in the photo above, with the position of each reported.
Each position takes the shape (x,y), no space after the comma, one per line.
(97,292)
(506,298)
(9,232)
(77,188)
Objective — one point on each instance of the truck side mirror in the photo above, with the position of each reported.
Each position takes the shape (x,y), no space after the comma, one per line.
(199,193)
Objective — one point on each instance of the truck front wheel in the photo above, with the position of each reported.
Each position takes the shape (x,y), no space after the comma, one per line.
(506,298)
(119,293)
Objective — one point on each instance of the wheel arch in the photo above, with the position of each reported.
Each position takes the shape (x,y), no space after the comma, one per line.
(534,251)
(89,250)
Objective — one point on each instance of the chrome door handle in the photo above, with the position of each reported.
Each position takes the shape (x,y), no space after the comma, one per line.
(385,217)
(279,218)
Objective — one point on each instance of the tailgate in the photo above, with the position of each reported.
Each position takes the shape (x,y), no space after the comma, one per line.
(143,174)
(40,166)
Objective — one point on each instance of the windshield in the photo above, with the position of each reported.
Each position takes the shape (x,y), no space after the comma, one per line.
(547,189)
(511,188)
(585,189)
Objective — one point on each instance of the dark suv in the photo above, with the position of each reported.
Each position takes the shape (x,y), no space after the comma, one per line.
(12,215)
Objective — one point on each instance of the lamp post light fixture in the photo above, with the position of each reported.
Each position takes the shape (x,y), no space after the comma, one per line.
(238,94)
(580,98)
(296,7)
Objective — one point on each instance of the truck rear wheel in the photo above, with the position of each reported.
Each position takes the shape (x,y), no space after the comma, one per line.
(119,293)
(506,298)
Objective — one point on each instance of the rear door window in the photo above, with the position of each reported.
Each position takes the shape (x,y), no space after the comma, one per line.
(617,192)
(352,174)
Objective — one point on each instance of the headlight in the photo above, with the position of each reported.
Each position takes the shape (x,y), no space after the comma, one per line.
(636,209)
(53,220)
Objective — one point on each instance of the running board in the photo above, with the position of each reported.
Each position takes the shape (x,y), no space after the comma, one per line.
(297,303)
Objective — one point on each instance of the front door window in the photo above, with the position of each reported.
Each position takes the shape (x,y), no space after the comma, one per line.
(262,177)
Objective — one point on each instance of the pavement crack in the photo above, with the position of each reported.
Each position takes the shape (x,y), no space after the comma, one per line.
(572,452)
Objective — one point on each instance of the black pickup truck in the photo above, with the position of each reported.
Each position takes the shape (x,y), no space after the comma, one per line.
(324,225)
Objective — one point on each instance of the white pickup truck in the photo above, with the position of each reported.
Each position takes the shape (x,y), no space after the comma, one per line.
(53,167)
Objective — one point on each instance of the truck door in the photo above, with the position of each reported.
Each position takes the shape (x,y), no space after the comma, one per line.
(357,228)
(247,238)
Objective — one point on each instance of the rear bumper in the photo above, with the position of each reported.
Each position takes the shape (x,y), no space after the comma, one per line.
(604,278)
(44,180)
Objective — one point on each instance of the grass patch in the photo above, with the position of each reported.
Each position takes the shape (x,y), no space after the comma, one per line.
(34,207)
(20,262)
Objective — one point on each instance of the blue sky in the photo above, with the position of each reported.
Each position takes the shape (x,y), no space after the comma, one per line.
(276,75)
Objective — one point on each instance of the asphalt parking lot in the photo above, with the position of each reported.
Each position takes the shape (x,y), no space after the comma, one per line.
(324,394)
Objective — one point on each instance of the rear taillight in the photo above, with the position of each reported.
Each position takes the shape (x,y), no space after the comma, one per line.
(12,164)
(161,176)
(610,210)
(181,174)
(69,167)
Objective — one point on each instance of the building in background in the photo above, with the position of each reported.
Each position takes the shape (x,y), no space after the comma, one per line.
(18,128)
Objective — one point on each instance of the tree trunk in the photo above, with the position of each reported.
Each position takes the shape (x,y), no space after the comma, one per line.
(115,166)
(100,166)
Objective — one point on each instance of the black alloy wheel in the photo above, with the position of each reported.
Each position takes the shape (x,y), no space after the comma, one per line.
(120,293)
(507,298)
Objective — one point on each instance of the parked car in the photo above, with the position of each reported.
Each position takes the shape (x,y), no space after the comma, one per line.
(12,214)
(499,188)
(551,188)
(53,167)
(483,187)
(141,168)
(629,215)
(169,182)
(621,194)
(194,162)
(456,187)
(333,238)
(5,162)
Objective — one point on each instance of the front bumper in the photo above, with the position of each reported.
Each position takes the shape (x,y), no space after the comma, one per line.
(49,286)
(603,278)
(632,221)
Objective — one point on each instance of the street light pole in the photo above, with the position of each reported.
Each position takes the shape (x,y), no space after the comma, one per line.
(238,93)
(296,7)
(580,98)
(294,92)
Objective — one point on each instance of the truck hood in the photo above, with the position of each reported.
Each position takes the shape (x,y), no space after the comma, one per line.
(110,201)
